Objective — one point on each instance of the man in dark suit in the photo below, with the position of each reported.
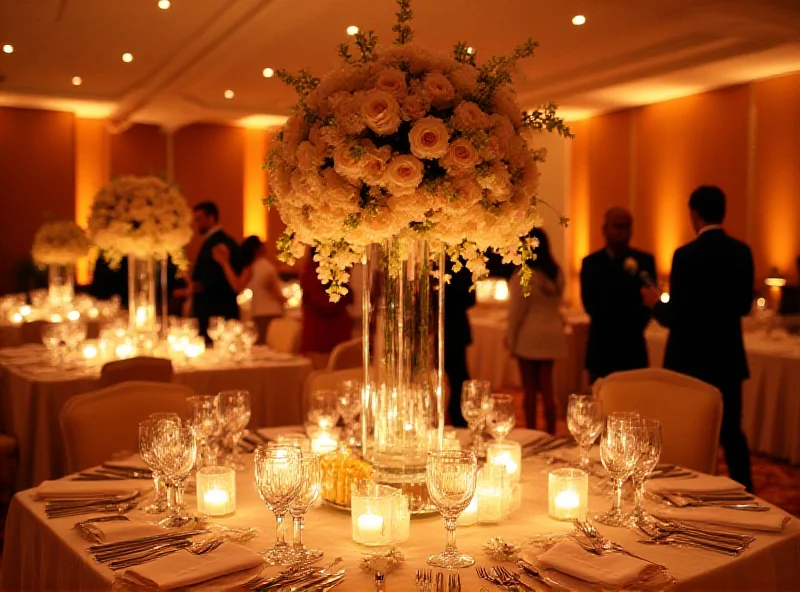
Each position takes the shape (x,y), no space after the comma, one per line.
(458,298)
(711,289)
(611,281)
(212,294)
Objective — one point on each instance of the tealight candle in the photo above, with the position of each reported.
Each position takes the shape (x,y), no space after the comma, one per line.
(323,443)
(195,348)
(469,517)
(508,454)
(492,492)
(17,318)
(568,494)
(25,310)
(124,350)
(216,491)
(73,315)
(374,509)
(90,351)
(93,312)
(370,529)
(56,318)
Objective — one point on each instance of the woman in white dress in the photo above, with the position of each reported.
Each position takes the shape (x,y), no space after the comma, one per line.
(536,330)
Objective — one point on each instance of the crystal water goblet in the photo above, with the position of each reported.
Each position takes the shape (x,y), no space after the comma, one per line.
(620,449)
(502,417)
(249,336)
(202,415)
(278,478)
(651,445)
(348,404)
(475,406)
(585,422)
(159,505)
(234,415)
(322,409)
(175,452)
(310,488)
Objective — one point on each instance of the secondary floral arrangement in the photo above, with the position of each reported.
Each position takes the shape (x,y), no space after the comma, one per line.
(144,217)
(59,243)
(402,142)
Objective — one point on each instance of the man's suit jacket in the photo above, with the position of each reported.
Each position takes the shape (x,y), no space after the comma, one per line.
(612,297)
(711,289)
(216,297)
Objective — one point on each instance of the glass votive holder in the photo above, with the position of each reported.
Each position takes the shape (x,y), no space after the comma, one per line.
(401,518)
(372,509)
(323,441)
(568,494)
(216,491)
(90,350)
(469,517)
(508,454)
(492,491)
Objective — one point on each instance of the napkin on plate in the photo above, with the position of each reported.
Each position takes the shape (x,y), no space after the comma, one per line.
(65,489)
(700,484)
(772,521)
(114,531)
(184,569)
(614,570)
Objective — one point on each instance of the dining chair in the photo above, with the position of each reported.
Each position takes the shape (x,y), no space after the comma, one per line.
(328,380)
(690,412)
(138,368)
(348,354)
(283,335)
(32,331)
(99,424)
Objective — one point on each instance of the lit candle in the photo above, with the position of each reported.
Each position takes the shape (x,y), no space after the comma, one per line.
(568,493)
(567,500)
(370,529)
(194,348)
(492,494)
(469,516)
(507,454)
(141,316)
(93,313)
(501,291)
(25,310)
(73,315)
(90,351)
(323,443)
(17,318)
(216,491)
(56,318)
(124,350)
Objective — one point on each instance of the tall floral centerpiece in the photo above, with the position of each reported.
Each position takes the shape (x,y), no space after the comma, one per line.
(398,158)
(59,245)
(146,220)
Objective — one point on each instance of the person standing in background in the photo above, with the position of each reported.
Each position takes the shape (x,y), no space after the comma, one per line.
(711,289)
(258,274)
(611,280)
(535,333)
(458,299)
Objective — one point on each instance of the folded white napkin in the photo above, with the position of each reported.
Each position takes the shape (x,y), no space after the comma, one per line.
(65,489)
(772,521)
(114,531)
(184,569)
(133,462)
(272,434)
(700,484)
(612,569)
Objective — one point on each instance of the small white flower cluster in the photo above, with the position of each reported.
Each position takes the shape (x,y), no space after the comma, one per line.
(144,217)
(59,243)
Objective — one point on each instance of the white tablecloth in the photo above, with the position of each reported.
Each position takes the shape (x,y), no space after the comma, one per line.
(771,398)
(43,554)
(32,393)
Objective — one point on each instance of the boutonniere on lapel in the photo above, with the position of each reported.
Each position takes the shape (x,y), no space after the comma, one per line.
(631,265)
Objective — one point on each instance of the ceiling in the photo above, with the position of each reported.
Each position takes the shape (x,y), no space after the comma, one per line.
(629,52)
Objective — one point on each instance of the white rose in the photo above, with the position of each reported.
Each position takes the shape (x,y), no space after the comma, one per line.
(438,89)
(461,156)
(404,174)
(381,112)
(393,81)
(373,165)
(415,106)
(347,159)
(294,132)
(465,79)
(504,101)
(467,116)
(309,156)
(428,138)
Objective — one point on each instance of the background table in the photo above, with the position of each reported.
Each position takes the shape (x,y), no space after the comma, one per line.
(32,392)
(43,554)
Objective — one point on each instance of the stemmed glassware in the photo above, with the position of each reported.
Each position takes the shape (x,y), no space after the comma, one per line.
(249,336)
(348,405)
(322,410)
(475,406)
(620,449)
(53,339)
(310,488)
(502,417)
(278,475)
(651,443)
(174,449)
(202,414)
(234,415)
(585,422)
(451,479)
(216,329)
(159,505)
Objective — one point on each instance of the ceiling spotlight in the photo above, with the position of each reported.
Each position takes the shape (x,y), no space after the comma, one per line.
(268,72)
(228,94)
(471,50)
(352,30)
(127,57)
(578,19)
(8,48)
(77,80)
(163,4)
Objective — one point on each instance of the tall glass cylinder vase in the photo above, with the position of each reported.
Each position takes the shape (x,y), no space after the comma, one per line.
(141,294)
(403,340)
(60,284)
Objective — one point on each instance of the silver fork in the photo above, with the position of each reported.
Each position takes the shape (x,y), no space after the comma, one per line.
(485,574)
(510,578)
(454,583)
(164,550)
(604,545)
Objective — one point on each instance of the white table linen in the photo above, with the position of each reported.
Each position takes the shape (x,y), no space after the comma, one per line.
(43,554)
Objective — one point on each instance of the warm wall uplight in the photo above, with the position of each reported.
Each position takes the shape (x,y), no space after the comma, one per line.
(578,19)
(775,282)
(261,121)
(352,30)
(127,57)
(268,72)
(228,94)
(254,214)
(8,48)
(164,4)
(77,80)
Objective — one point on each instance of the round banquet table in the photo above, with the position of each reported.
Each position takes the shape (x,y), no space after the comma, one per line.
(43,554)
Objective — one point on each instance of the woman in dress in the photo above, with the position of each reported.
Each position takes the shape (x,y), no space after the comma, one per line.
(536,330)
(258,274)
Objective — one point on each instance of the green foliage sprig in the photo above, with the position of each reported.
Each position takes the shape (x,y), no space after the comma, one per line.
(545,118)
(402,29)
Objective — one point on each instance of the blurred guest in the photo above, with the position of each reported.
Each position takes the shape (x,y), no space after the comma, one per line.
(535,332)
(611,280)
(258,274)
(108,282)
(326,324)
(212,295)
(458,299)
(711,289)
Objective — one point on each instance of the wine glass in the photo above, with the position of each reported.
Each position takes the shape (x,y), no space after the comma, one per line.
(234,415)
(310,488)
(201,413)
(348,405)
(278,476)
(500,420)
(323,409)
(216,329)
(249,336)
(620,449)
(174,451)
(651,444)
(53,339)
(585,422)
(475,406)
(159,505)
(451,477)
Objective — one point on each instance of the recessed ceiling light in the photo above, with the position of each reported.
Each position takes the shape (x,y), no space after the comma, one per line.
(578,19)
(127,57)
(268,72)
(352,30)
(228,94)
(163,4)
(77,80)
(8,48)
(471,50)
